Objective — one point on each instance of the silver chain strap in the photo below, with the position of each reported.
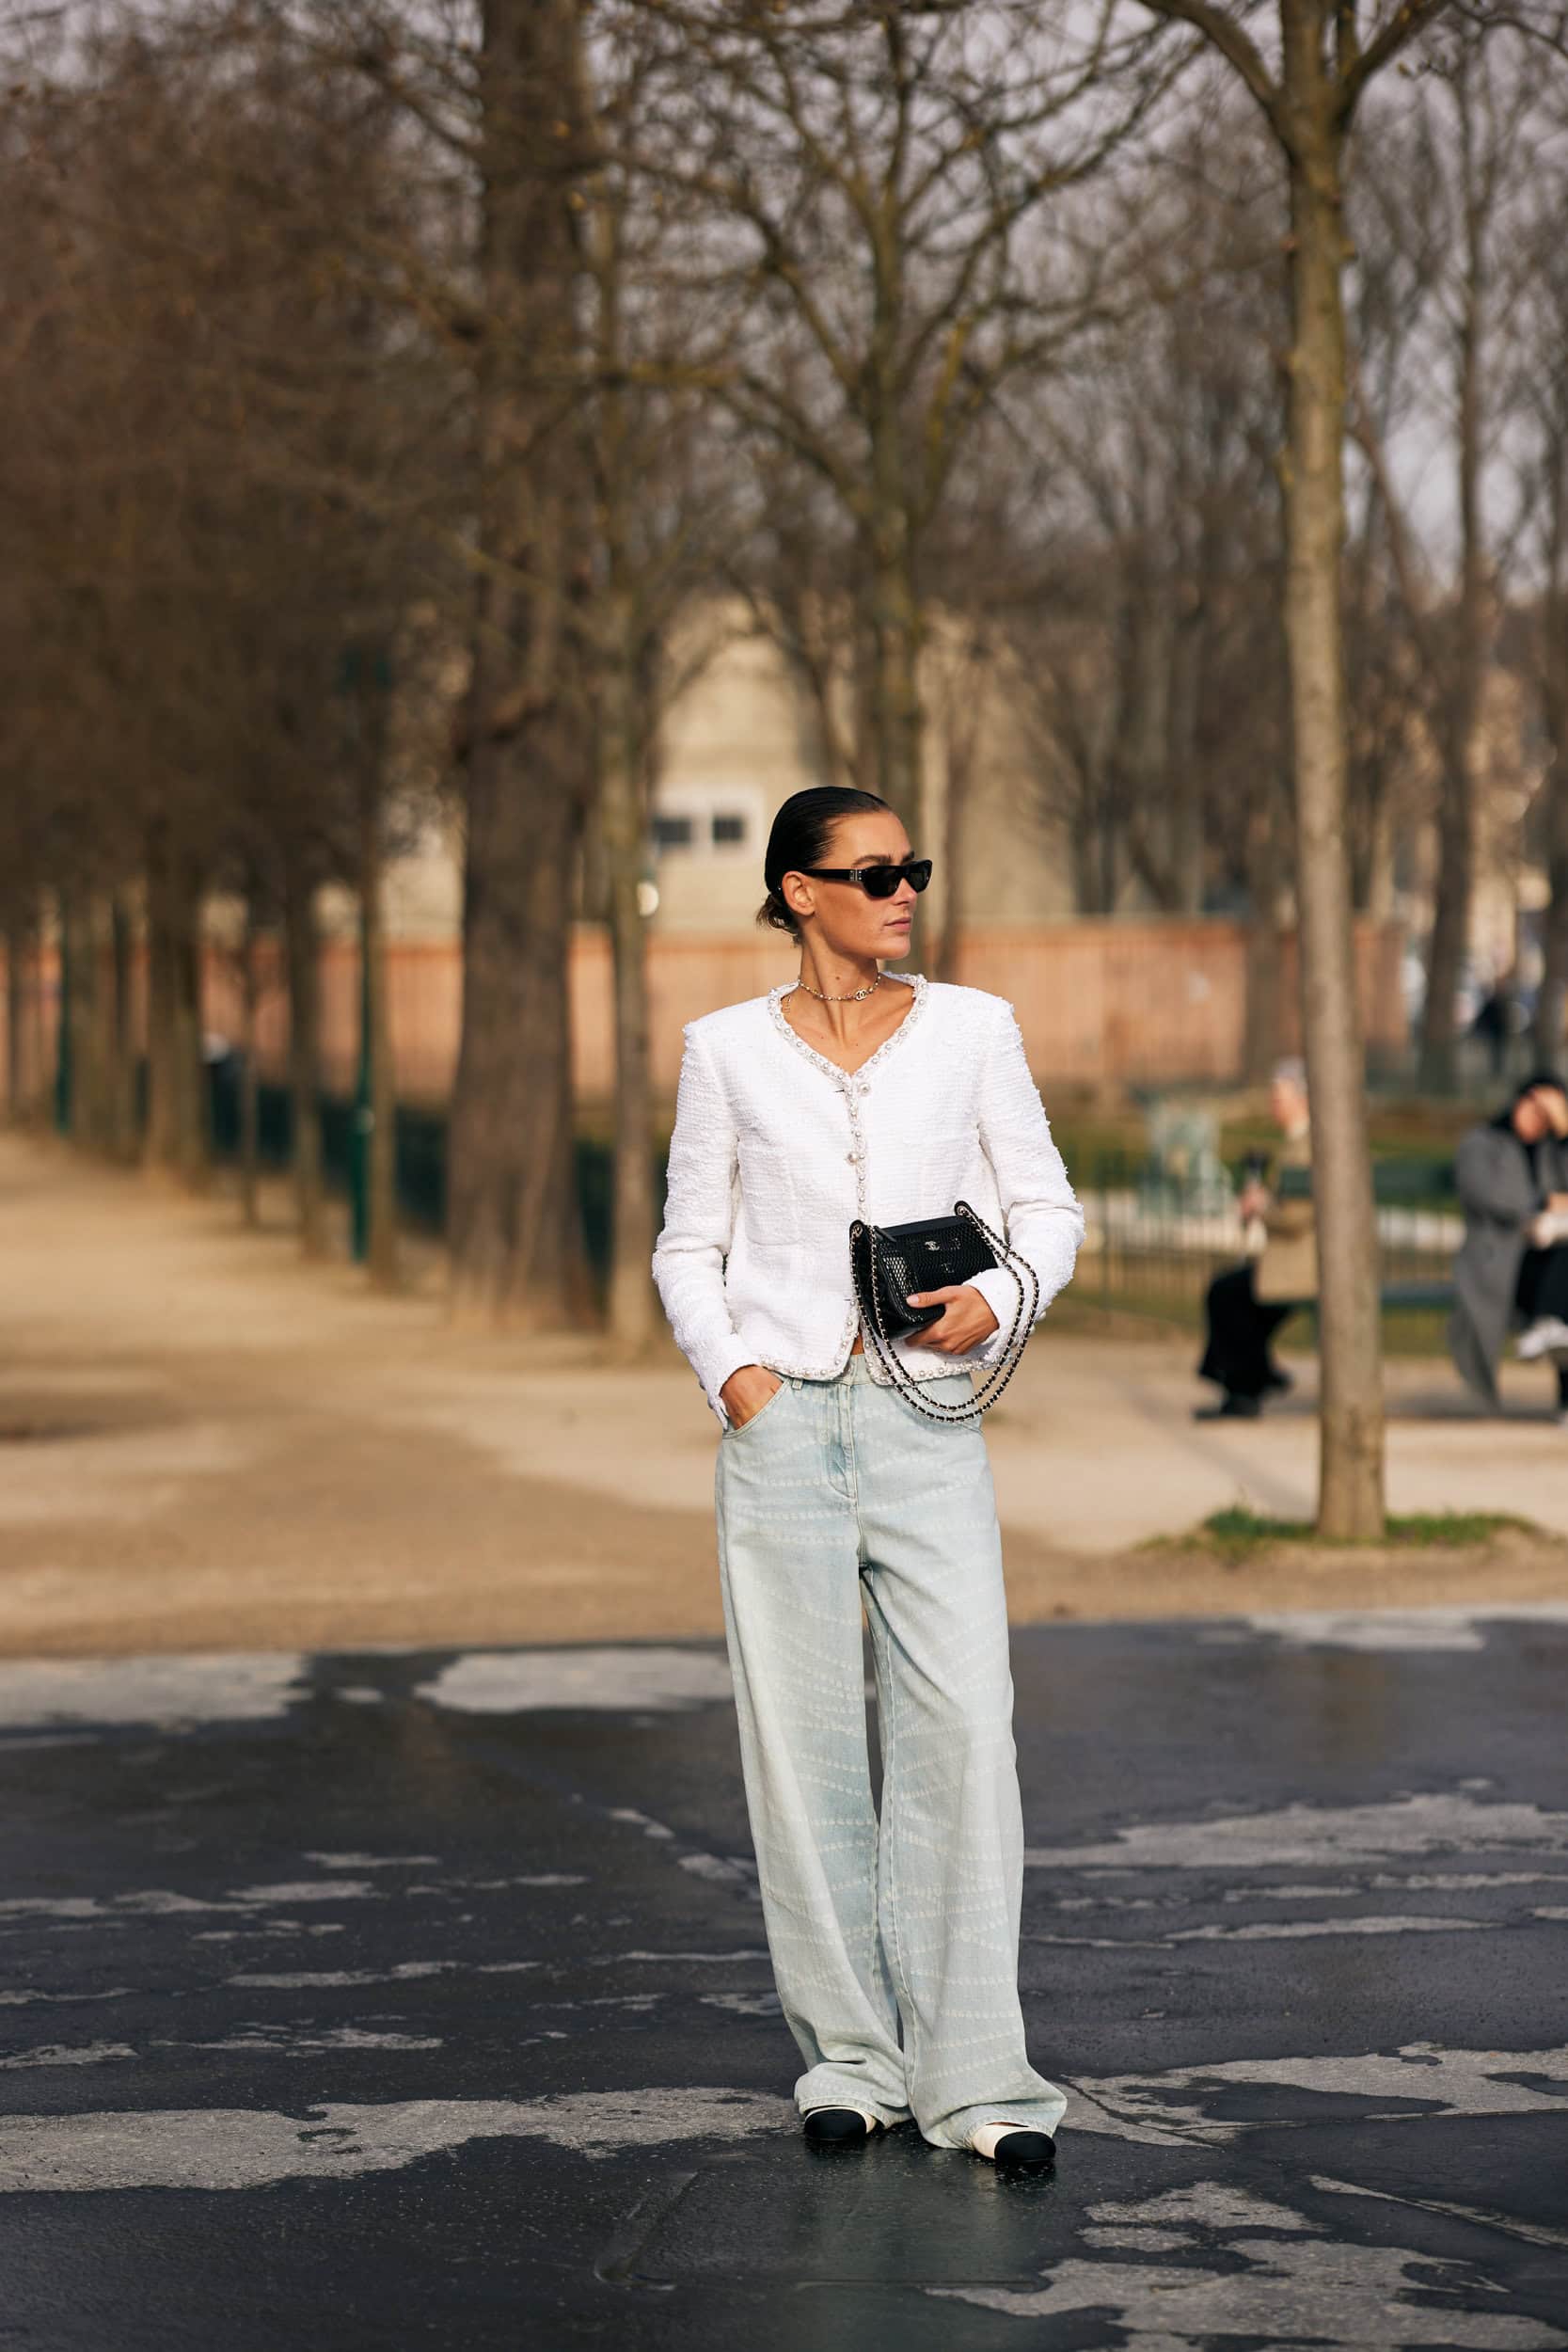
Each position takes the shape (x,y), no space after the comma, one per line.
(1012,1353)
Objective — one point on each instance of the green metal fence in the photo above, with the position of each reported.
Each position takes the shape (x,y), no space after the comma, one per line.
(420,1154)
(1152,1247)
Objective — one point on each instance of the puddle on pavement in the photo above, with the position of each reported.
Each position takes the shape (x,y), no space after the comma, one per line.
(899,2214)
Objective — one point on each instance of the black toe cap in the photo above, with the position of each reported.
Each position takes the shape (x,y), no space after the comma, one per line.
(838,2124)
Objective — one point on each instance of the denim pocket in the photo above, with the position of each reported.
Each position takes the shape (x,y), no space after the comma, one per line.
(762,1409)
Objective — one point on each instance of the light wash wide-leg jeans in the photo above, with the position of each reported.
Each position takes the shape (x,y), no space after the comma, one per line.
(895,1943)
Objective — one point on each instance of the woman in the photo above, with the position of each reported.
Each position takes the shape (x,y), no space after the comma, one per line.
(1245,1306)
(1512,1176)
(852,1092)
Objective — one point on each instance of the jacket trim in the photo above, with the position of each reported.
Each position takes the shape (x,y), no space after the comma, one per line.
(916,980)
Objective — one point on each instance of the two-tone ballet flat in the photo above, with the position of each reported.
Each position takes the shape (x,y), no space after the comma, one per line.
(1014,2147)
(840,2127)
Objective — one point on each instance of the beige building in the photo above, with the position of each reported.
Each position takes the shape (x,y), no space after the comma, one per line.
(736,744)
(1132,998)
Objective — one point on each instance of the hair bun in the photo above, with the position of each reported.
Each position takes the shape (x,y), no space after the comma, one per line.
(801,831)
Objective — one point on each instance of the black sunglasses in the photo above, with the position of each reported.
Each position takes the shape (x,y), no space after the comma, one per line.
(877,881)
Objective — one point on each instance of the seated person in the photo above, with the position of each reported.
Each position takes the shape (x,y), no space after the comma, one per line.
(1512,1176)
(1245,1306)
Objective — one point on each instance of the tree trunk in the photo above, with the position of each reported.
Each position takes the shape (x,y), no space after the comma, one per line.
(89,1108)
(64,1077)
(109,953)
(381,1166)
(1183,778)
(194,1162)
(897,718)
(954,830)
(1551,1003)
(623,712)
(1350,1496)
(633,1319)
(893,600)
(1084,858)
(176,1141)
(1463,662)
(1264,1013)
(1438,1067)
(513,1222)
(302,950)
(516,1244)
(39,1024)
(158,1134)
(249,1104)
(16,964)
(123,1140)
(960,740)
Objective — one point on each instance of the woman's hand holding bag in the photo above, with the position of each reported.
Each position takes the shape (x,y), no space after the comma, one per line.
(967,1322)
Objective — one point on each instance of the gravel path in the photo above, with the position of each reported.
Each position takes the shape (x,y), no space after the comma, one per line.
(206,1443)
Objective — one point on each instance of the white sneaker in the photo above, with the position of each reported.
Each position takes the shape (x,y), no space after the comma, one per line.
(1546,1334)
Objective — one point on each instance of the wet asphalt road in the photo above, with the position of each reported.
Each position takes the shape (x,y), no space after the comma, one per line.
(413,1998)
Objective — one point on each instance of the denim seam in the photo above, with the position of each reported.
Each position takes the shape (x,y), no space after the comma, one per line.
(849,1493)
(887,1826)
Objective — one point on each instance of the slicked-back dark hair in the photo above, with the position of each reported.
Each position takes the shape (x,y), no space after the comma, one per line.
(799,837)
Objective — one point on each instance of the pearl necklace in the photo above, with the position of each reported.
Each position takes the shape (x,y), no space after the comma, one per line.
(853,998)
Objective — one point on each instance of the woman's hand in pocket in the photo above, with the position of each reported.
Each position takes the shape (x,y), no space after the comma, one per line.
(746,1391)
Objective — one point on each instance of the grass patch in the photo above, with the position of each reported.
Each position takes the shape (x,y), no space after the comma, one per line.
(1237,1532)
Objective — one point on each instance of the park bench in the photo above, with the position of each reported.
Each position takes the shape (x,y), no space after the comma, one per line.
(1399,1184)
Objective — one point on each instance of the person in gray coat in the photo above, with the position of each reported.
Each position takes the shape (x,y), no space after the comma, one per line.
(1511,1177)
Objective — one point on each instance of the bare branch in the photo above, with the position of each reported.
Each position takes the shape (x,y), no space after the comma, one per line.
(1233,42)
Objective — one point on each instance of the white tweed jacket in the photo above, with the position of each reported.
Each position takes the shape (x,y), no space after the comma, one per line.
(776,1149)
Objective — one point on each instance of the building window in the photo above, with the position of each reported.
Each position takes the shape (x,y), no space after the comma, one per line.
(722,821)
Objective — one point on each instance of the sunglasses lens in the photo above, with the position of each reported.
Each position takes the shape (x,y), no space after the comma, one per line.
(881,881)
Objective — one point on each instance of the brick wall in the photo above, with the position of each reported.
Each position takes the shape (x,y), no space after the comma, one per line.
(1100,1001)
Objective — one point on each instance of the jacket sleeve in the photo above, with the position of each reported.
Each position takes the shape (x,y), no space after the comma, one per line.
(699,1216)
(1493,1179)
(1043,1220)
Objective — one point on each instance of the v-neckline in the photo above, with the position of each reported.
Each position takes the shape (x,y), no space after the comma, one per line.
(916,983)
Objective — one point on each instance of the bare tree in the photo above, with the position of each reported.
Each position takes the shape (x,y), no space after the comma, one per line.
(1541,394)
(516,1250)
(1451,199)
(1326,58)
(659,510)
(1146,655)
(209,421)
(872,183)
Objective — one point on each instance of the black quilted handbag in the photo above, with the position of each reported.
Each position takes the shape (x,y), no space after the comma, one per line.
(888,1261)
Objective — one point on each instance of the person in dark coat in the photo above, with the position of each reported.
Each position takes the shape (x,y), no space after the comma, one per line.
(1511,1177)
